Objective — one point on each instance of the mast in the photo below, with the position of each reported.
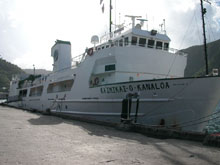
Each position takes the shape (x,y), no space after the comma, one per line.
(203,10)
(110,17)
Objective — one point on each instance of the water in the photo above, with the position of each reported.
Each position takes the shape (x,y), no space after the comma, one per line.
(213,125)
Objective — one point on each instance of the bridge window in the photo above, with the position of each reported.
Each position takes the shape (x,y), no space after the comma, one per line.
(134,40)
(159,45)
(166,46)
(142,42)
(150,43)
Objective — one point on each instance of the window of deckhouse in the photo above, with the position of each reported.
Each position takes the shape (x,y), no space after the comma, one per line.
(142,42)
(159,45)
(116,43)
(121,42)
(36,91)
(134,40)
(150,43)
(126,41)
(110,67)
(23,93)
(61,86)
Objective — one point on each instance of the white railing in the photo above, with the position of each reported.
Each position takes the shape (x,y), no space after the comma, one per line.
(78,59)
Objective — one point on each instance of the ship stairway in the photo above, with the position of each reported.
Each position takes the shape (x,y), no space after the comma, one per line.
(56,106)
(127,108)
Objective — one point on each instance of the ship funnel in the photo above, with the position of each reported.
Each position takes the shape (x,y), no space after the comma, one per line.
(61,53)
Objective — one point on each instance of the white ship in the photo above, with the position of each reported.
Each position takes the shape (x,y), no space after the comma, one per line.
(128,74)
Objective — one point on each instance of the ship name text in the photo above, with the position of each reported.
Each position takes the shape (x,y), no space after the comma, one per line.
(134,87)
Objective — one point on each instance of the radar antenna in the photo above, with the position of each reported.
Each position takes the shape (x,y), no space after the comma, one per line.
(133,19)
(142,21)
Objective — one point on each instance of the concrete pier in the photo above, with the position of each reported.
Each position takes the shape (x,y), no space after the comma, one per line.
(30,138)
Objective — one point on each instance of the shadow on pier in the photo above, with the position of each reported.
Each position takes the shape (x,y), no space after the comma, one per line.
(45,120)
(164,146)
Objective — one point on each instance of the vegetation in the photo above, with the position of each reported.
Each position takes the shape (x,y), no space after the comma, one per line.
(29,78)
(6,71)
(196,60)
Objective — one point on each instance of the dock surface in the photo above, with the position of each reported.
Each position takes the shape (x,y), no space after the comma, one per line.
(30,139)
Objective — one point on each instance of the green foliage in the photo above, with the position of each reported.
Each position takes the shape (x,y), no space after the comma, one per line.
(196,60)
(6,71)
(29,78)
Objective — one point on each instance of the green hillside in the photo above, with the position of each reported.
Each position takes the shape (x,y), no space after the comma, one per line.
(6,71)
(196,60)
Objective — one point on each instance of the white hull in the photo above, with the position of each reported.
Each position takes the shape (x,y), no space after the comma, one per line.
(137,62)
(176,101)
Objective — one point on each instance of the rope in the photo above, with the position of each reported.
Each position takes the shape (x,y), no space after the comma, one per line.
(196,119)
(197,27)
(186,33)
(200,122)
(171,65)
(210,29)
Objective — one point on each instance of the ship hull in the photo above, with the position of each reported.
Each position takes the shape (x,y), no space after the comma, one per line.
(182,103)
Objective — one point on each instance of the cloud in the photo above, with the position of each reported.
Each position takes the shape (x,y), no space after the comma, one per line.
(12,41)
(30,27)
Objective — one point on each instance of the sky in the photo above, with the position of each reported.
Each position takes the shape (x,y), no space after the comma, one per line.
(29,28)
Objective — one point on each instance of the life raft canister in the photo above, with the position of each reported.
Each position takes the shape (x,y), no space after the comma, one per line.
(90,51)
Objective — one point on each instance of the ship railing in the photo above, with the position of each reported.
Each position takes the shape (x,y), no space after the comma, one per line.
(117,32)
(75,62)
(78,59)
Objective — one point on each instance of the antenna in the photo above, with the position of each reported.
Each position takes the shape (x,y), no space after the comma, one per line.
(34,69)
(203,11)
(161,27)
(207,1)
(147,22)
(132,19)
(115,15)
(110,17)
(164,21)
